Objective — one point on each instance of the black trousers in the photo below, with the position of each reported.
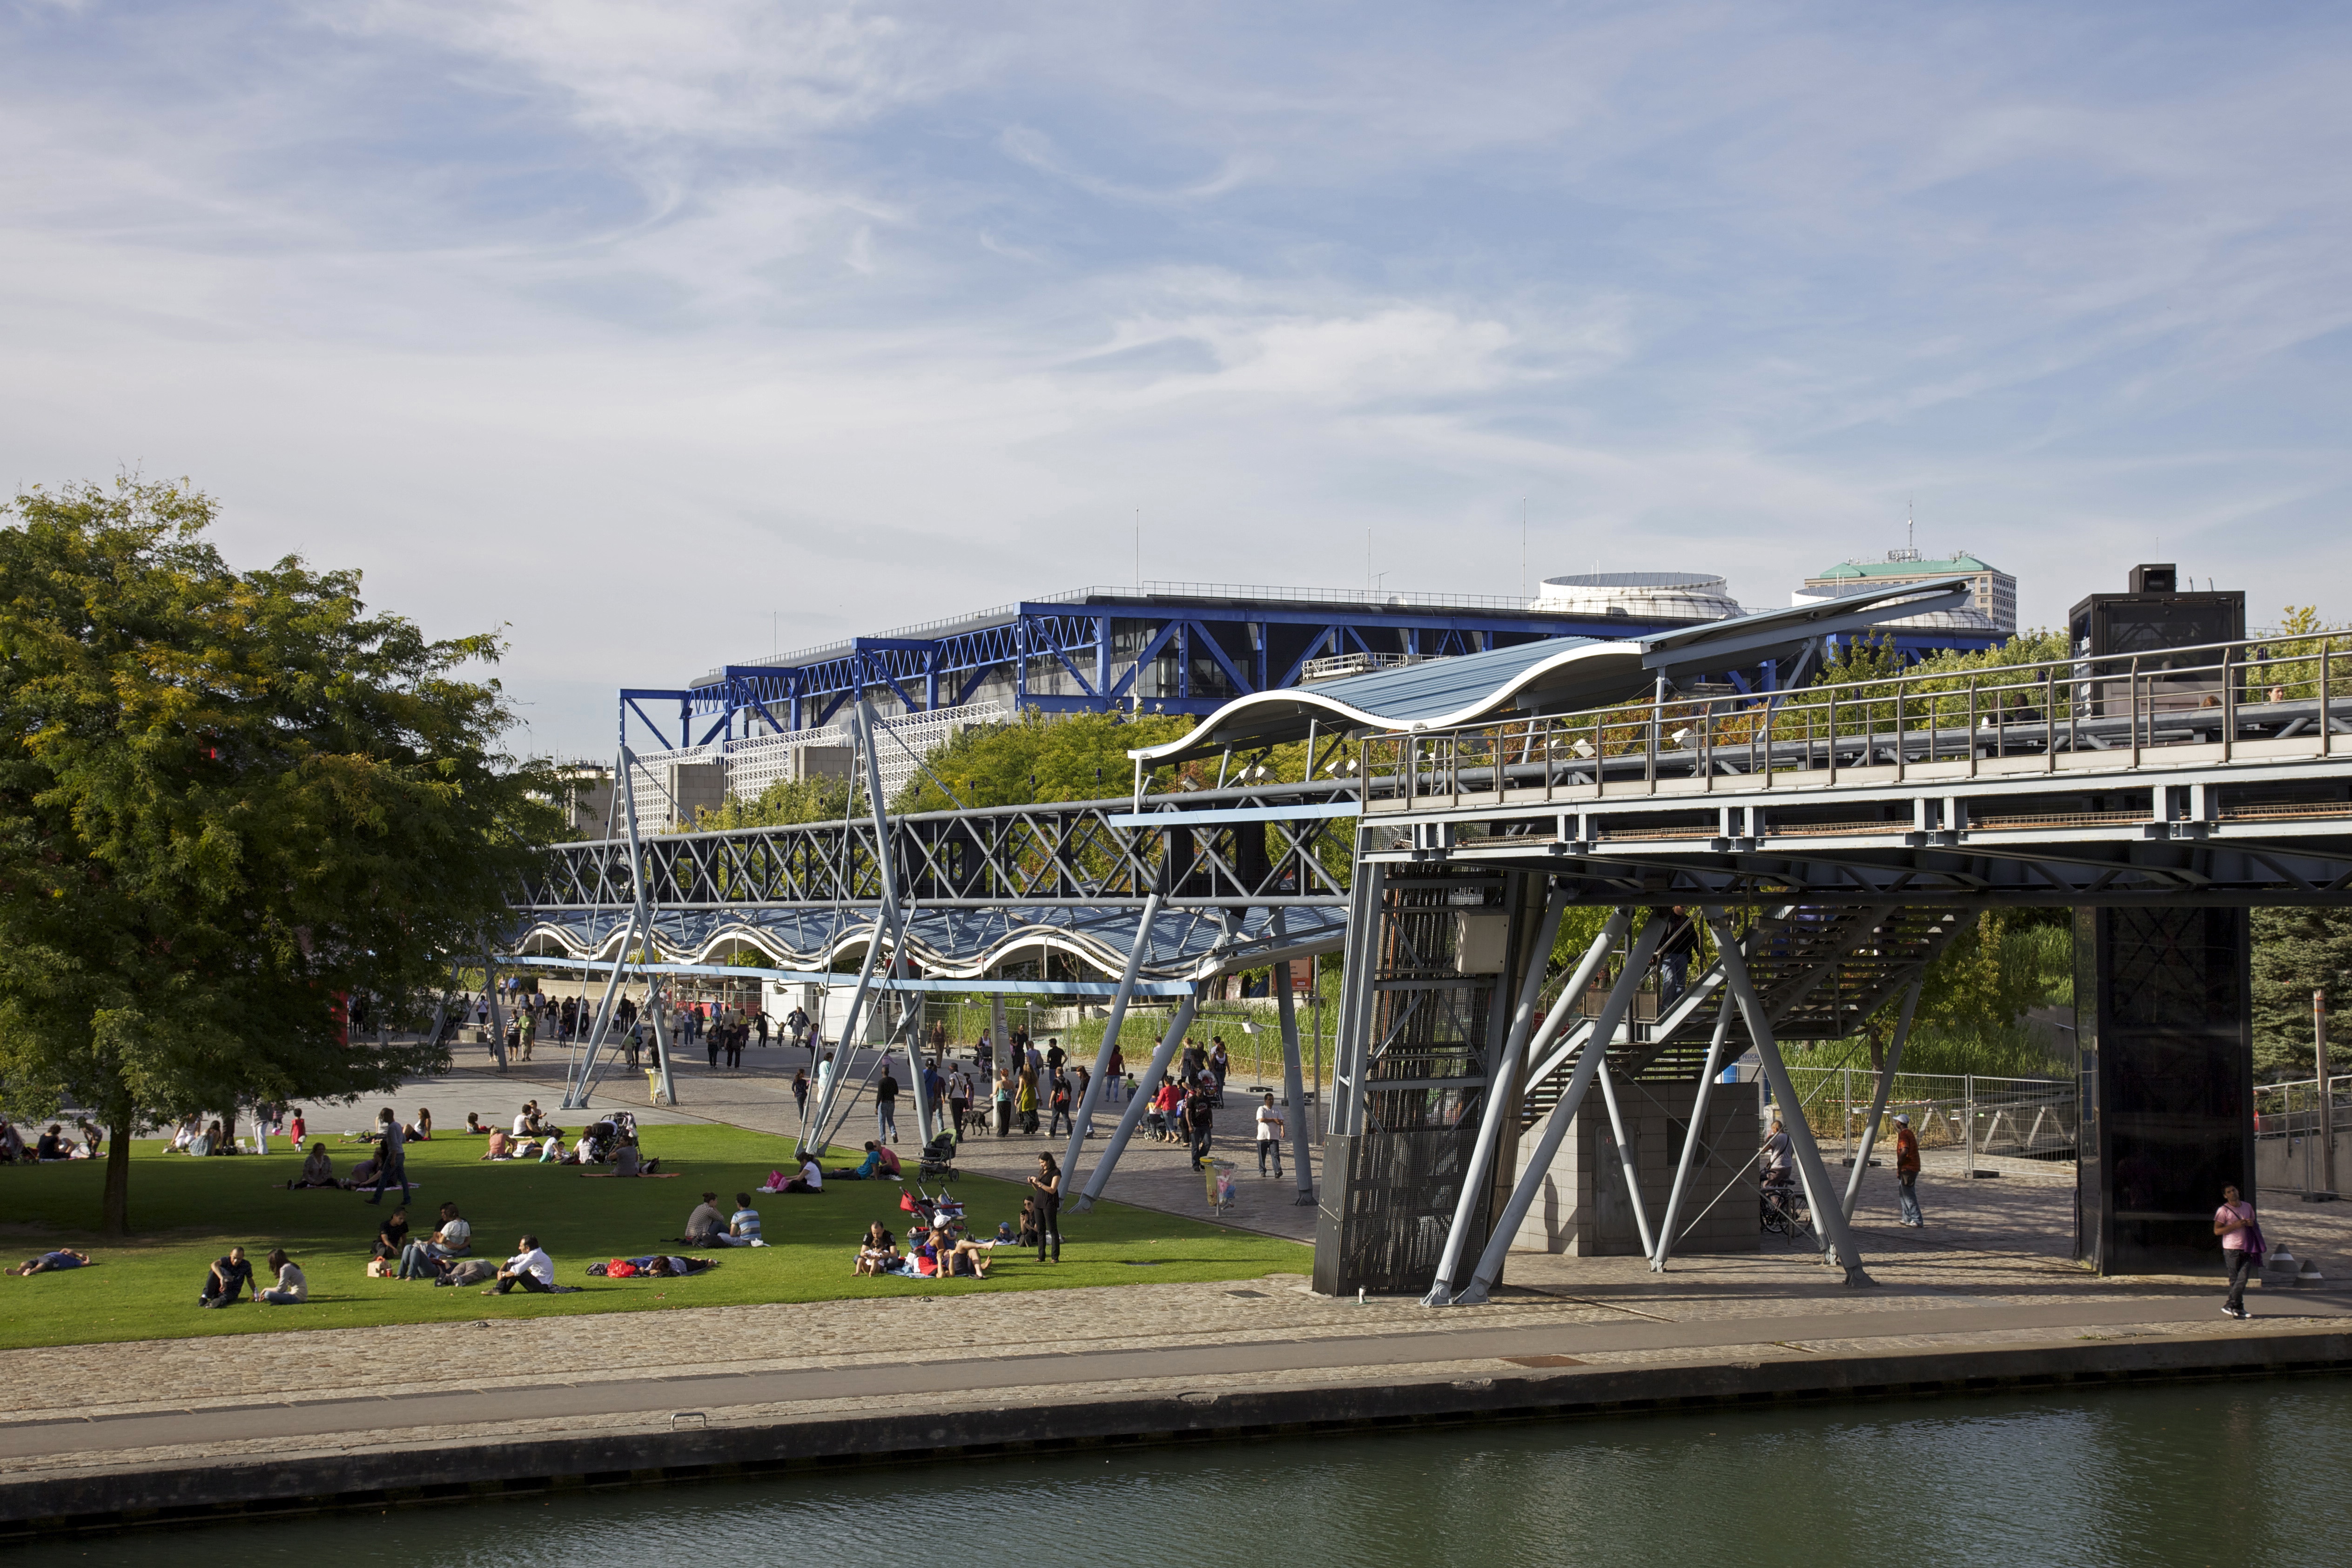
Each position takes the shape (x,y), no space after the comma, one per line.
(2242,1261)
(529,1282)
(1049,1228)
(1200,1144)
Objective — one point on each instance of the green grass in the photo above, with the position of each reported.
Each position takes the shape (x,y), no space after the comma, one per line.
(188,1212)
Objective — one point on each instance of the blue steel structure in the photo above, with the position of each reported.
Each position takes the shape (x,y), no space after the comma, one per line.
(1164,647)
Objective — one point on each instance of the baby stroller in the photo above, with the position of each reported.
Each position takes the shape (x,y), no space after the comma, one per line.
(941,1214)
(938,1159)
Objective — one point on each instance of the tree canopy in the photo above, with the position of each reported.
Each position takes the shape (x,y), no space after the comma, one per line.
(232,802)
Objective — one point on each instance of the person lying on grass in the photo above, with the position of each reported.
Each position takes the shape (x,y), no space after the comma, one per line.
(51,1262)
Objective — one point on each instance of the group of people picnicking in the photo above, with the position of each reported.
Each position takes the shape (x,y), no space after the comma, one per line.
(52,1143)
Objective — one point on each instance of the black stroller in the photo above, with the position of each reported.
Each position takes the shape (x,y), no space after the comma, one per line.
(938,1159)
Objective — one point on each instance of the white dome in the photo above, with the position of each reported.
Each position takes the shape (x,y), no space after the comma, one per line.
(1640,596)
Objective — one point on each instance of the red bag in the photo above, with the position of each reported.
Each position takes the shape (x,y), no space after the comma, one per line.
(907,1202)
(619,1268)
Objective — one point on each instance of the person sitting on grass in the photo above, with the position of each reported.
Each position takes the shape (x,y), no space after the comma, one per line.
(810,1179)
(474,1122)
(966,1257)
(421,1130)
(291,1290)
(362,1174)
(550,1152)
(51,1262)
(226,1280)
(392,1235)
(704,1227)
(879,1161)
(318,1169)
(877,1253)
(499,1149)
(422,1259)
(12,1143)
(528,1267)
(54,1144)
(743,1224)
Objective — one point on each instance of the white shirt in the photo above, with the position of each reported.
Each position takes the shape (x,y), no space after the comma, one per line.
(813,1177)
(535,1263)
(1269,1125)
(456,1233)
(522,1124)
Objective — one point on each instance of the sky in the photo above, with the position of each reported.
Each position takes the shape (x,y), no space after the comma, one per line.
(664,336)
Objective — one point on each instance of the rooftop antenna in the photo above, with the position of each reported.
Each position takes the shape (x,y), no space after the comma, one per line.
(1910,528)
(1138,550)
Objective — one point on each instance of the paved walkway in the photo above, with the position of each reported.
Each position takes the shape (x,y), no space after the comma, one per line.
(1992,1270)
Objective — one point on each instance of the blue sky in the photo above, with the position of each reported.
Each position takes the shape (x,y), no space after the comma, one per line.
(659,333)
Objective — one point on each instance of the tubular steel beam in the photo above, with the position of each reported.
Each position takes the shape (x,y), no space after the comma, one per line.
(1537,1166)
(1878,1099)
(1136,1101)
(1112,1022)
(1829,1218)
(1502,1100)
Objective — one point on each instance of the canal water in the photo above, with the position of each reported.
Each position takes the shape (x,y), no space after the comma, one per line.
(2225,1474)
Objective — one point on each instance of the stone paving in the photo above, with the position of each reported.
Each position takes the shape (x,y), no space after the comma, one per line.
(1992,1266)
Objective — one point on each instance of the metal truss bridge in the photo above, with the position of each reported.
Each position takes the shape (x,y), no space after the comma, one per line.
(1829,843)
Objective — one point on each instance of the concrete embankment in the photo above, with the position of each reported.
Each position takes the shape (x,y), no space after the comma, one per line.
(106,1485)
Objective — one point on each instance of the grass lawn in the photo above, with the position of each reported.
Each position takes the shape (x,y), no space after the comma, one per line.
(188,1212)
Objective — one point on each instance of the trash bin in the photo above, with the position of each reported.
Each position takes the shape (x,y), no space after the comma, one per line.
(1221,1185)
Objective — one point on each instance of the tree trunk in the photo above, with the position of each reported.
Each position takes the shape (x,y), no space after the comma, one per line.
(114,1209)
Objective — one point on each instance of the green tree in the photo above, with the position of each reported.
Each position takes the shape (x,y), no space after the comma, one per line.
(1046,757)
(230,803)
(2296,952)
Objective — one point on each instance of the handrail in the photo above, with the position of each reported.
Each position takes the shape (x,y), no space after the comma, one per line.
(2247,688)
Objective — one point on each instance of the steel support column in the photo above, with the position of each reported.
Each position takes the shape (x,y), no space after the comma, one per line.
(1112,1022)
(1537,1166)
(1691,1141)
(1829,1218)
(1136,1102)
(1502,1099)
(1878,1100)
(1294,1080)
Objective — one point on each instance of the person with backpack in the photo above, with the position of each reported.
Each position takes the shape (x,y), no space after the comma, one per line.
(2241,1247)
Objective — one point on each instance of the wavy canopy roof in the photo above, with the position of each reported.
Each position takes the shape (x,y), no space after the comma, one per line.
(1554,676)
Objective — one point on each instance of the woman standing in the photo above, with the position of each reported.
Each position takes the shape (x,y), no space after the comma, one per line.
(1048,1184)
(1005,1103)
(1024,1101)
(2242,1246)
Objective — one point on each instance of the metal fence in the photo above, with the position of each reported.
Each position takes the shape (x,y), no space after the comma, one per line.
(2015,1117)
(2292,1129)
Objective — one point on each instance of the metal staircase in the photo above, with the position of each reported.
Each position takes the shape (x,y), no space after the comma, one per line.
(1820,971)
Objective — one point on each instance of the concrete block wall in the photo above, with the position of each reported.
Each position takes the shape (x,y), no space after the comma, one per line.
(1582,1209)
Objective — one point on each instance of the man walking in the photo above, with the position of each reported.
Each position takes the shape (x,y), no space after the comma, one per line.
(886,1109)
(1269,1137)
(391,1160)
(1199,1119)
(1906,1171)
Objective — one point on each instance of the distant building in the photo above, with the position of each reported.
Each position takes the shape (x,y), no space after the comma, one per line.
(584,795)
(1992,595)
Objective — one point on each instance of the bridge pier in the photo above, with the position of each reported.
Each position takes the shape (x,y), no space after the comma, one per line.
(2164,1036)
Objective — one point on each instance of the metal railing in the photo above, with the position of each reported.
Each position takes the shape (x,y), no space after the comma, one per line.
(2047,715)
(2293,1126)
(2014,1117)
